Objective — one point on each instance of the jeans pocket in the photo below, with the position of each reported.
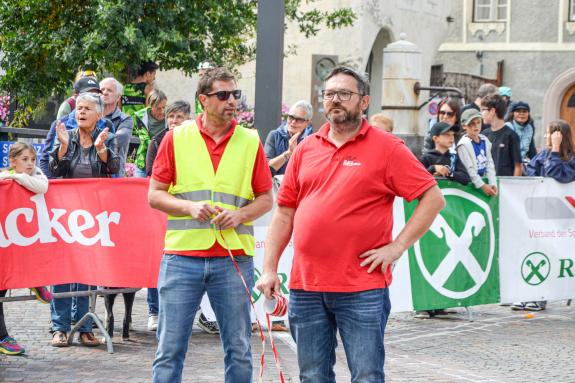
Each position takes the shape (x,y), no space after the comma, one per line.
(243,258)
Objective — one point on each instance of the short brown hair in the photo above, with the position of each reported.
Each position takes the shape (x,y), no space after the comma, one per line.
(213,75)
(495,101)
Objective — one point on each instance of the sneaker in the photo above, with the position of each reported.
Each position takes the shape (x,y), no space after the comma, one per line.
(518,306)
(153,323)
(207,326)
(42,294)
(9,346)
(533,306)
(422,315)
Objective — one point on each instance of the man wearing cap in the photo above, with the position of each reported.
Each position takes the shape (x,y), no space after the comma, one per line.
(474,151)
(337,199)
(84,84)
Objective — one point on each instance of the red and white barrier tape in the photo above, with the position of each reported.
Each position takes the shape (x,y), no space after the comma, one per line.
(279,307)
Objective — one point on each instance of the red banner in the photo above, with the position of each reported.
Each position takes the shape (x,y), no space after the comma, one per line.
(93,231)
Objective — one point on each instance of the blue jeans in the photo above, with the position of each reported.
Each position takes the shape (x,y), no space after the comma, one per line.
(153,301)
(360,317)
(61,308)
(181,284)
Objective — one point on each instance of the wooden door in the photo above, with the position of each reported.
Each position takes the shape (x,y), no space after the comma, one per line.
(567,111)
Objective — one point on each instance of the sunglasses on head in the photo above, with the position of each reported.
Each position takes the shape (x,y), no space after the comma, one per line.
(224,95)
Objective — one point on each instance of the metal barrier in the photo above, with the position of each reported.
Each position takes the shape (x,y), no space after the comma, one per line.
(93,294)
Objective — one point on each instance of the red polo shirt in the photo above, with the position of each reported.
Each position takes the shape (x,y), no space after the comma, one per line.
(164,171)
(344,205)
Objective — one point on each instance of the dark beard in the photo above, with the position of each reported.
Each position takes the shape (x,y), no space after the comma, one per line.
(349,121)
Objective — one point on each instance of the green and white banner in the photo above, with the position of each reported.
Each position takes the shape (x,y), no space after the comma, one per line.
(537,240)
(456,262)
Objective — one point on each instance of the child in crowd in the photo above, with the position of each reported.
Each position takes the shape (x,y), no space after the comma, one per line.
(382,122)
(474,151)
(23,170)
(441,161)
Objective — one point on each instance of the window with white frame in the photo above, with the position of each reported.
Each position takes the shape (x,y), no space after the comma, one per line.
(490,10)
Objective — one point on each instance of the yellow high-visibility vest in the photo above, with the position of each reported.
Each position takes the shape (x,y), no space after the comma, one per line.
(230,188)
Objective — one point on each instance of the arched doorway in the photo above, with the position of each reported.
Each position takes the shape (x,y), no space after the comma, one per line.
(567,110)
(559,101)
(374,68)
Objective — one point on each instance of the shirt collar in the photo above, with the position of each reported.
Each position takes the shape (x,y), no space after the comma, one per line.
(324,130)
(204,132)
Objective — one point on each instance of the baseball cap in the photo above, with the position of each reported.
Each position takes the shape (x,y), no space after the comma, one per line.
(205,65)
(505,91)
(440,128)
(519,105)
(86,84)
(469,115)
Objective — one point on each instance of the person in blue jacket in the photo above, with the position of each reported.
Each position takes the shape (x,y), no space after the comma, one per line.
(558,159)
(282,141)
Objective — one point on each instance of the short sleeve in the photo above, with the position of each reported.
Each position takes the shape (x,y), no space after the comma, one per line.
(164,169)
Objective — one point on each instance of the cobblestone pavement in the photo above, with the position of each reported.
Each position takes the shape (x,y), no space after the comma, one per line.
(499,345)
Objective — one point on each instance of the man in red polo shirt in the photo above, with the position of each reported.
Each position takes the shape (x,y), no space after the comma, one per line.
(337,198)
(212,178)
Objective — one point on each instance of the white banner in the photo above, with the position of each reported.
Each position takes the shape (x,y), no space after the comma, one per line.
(537,241)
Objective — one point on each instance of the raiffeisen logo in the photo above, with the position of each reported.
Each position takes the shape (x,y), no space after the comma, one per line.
(465,250)
(549,208)
(80,222)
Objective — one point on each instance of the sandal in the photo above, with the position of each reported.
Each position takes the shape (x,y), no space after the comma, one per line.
(88,339)
(59,339)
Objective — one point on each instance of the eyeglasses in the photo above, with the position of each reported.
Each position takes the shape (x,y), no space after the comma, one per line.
(446,113)
(224,95)
(343,95)
(295,119)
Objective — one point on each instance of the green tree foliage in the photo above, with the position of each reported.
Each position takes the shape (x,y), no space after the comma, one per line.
(43,43)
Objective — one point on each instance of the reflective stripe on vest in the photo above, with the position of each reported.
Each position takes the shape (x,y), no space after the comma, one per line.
(230,188)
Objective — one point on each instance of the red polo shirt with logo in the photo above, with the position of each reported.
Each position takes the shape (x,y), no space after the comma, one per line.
(344,205)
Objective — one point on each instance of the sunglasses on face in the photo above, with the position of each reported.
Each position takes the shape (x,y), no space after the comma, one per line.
(446,113)
(224,95)
(295,119)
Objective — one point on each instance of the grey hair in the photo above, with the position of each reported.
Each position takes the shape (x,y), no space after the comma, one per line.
(155,97)
(306,107)
(486,90)
(179,106)
(118,84)
(362,80)
(92,98)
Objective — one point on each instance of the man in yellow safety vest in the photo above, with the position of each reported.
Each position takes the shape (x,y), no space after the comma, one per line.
(212,179)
